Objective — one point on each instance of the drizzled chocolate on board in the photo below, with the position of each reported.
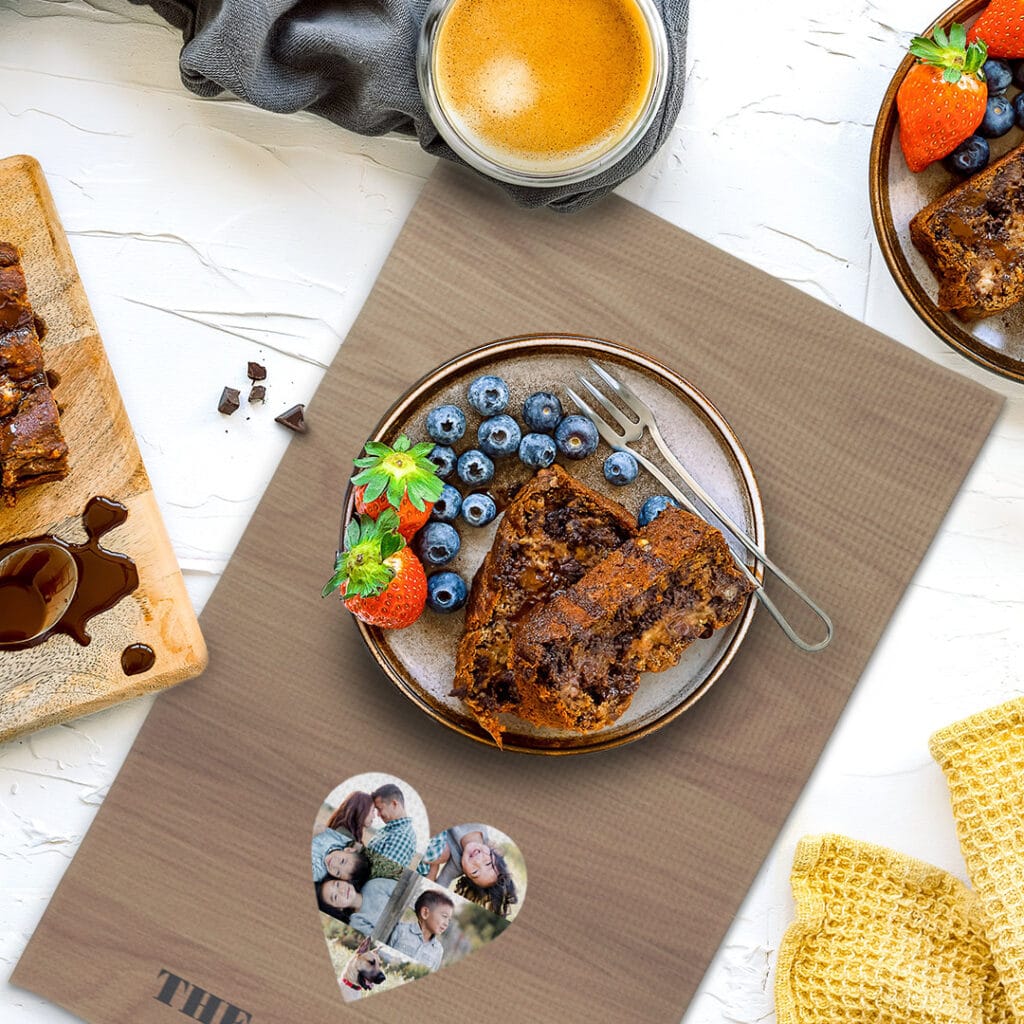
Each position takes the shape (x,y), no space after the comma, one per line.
(136,658)
(27,594)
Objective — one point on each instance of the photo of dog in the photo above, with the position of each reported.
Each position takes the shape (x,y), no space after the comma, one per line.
(363,970)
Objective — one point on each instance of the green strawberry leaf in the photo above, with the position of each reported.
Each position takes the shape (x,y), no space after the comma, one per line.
(351,534)
(950,52)
(361,566)
(391,545)
(334,582)
(395,489)
(404,470)
(375,486)
(387,521)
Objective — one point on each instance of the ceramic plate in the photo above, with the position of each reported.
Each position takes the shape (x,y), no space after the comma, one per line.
(997,342)
(420,660)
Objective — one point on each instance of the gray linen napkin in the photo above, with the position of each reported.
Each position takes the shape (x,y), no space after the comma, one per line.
(354,62)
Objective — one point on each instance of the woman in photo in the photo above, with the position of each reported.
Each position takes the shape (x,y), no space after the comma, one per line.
(353,815)
(463,855)
(360,909)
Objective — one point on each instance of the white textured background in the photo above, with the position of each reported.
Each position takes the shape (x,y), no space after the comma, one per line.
(208,233)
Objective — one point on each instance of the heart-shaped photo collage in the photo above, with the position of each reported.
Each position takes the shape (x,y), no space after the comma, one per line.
(397,903)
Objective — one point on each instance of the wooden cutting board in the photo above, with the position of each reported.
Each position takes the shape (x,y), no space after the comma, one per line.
(60,678)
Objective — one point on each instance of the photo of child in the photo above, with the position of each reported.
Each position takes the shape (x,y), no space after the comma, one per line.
(420,939)
(480,864)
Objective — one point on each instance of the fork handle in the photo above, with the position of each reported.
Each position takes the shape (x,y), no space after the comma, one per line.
(752,546)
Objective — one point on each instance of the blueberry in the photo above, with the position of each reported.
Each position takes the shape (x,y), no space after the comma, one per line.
(446,424)
(478,509)
(969,157)
(475,468)
(576,437)
(537,451)
(998,76)
(998,119)
(1018,108)
(620,468)
(1018,73)
(499,436)
(438,543)
(444,458)
(488,395)
(653,507)
(446,591)
(542,412)
(447,506)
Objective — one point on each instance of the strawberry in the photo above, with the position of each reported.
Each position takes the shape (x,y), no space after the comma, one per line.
(942,99)
(1001,28)
(382,582)
(402,478)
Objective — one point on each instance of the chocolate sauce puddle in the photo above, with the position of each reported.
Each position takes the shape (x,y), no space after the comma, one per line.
(104,578)
(137,658)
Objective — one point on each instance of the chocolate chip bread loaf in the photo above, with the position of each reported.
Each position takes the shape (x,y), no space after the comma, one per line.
(32,447)
(578,658)
(973,240)
(552,532)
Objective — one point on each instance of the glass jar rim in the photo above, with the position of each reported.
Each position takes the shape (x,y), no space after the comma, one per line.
(591,167)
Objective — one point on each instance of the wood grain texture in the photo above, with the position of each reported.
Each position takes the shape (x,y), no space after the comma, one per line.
(61,679)
(198,862)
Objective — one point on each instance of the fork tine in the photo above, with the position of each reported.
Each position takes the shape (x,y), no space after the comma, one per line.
(603,428)
(623,390)
(619,417)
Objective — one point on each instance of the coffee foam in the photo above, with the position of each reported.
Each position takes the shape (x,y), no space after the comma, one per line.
(506,87)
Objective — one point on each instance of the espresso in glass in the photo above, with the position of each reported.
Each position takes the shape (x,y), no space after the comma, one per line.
(542,91)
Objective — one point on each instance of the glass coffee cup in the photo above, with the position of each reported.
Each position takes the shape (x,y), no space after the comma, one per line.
(542,93)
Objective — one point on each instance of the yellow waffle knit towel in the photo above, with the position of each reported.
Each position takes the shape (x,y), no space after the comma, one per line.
(983,760)
(881,938)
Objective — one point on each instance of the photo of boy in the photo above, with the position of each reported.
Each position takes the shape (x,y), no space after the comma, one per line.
(420,940)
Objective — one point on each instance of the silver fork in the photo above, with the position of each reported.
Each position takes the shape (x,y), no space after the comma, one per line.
(631,430)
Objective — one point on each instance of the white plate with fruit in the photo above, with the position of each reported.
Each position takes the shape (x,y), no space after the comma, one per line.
(946,117)
(488,421)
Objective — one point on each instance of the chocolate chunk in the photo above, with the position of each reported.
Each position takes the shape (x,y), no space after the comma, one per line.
(52,378)
(293,419)
(257,394)
(257,372)
(229,401)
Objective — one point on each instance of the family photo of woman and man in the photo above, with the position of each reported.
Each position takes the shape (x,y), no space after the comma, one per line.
(396,903)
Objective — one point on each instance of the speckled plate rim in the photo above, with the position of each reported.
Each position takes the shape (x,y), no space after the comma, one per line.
(480,357)
(885,230)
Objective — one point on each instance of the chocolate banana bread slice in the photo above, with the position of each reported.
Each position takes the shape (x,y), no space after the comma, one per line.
(552,532)
(578,658)
(32,447)
(973,240)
